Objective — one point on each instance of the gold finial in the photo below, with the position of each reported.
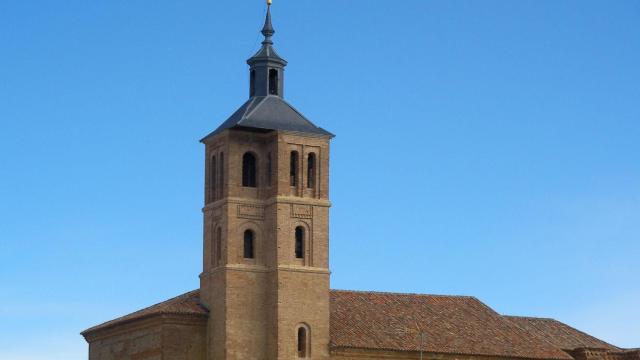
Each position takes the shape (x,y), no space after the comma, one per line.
(269,2)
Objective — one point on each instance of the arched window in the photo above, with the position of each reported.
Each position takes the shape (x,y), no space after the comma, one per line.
(303,342)
(311,170)
(248,244)
(213,179)
(252,83)
(293,169)
(269,169)
(299,242)
(221,175)
(273,82)
(248,170)
(219,245)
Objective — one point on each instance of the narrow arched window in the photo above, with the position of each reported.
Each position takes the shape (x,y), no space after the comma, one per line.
(252,83)
(221,175)
(302,342)
(213,166)
(311,171)
(299,242)
(249,170)
(269,169)
(248,244)
(273,82)
(293,169)
(218,246)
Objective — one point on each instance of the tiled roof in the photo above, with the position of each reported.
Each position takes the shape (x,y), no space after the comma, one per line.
(450,324)
(387,321)
(269,113)
(185,304)
(561,335)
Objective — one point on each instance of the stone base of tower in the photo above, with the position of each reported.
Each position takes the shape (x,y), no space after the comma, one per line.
(303,296)
(258,316)
(238,326)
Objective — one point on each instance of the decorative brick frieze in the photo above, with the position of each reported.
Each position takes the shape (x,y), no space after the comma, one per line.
(251,212)
(301,211)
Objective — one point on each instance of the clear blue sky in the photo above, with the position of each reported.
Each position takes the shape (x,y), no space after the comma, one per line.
(486,148)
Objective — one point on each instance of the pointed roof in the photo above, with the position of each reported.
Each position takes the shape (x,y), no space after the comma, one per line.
(267,52)
(267,29)
(270,113)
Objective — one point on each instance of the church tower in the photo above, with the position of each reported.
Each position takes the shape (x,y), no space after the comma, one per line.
(265,277)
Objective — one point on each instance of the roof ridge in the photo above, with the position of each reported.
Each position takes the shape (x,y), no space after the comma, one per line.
(261,101)
(531,317)
(403,293)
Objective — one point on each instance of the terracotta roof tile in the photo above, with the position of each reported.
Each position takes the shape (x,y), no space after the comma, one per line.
(451,324)
(389,321)
(185,304)
(559,334)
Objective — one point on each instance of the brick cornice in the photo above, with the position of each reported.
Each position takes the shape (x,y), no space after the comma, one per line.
(264,269)
(266,202)
(144,322)
(366,353)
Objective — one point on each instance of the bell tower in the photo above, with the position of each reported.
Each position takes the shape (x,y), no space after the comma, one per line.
(265,277)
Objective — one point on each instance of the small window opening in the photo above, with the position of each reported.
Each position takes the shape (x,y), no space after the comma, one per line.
(293,171)
(252,83)
(299,242)
(248,244)
(213,179)
(311,171)
(302,342)
(273,82)
(219,246)
(249,170)
(269,169)
(221,176)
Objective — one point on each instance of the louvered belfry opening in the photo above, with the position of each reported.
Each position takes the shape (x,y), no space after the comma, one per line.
(249,170)
(273,82)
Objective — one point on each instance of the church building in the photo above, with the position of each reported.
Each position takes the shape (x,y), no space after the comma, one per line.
(264,288)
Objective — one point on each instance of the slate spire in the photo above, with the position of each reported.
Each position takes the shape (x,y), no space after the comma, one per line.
(266,66)
(267,30)
(266,109)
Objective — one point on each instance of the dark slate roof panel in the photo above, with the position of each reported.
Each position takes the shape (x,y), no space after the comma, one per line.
(270,113)
(267,53)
